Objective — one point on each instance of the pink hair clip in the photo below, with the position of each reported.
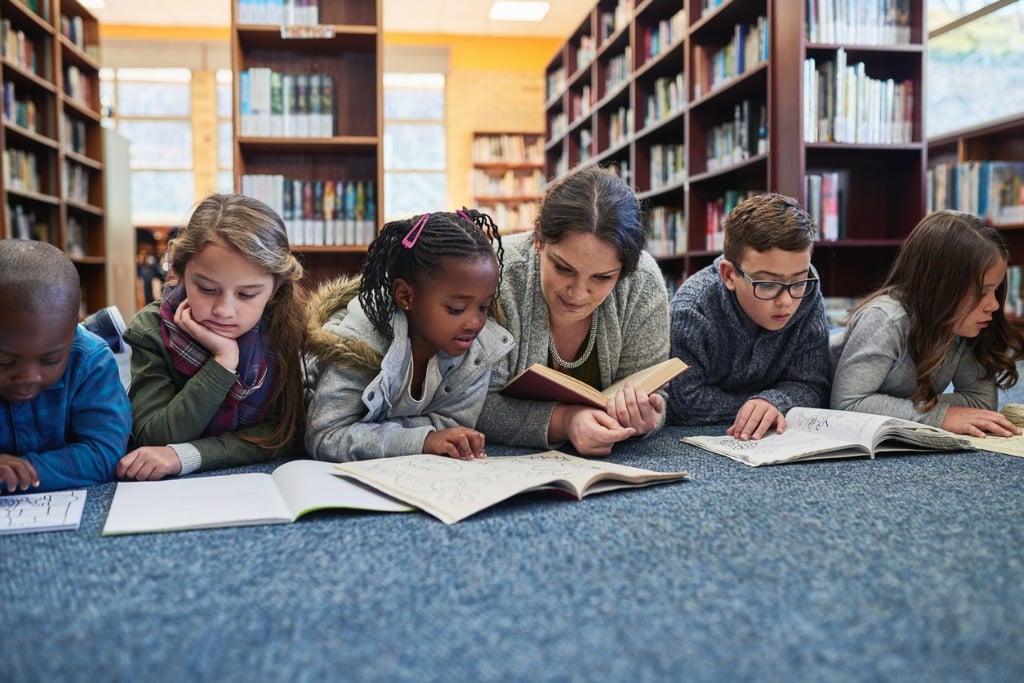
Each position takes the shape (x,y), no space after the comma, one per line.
(409,241)
(464,215)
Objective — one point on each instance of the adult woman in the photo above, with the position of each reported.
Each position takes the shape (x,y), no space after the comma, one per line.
(580,287)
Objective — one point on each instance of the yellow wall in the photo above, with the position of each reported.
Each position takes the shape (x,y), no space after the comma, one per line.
(494,84)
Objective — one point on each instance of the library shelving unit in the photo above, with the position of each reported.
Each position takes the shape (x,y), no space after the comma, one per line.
(52,142)
(507,177)
(317,160)
(728,98)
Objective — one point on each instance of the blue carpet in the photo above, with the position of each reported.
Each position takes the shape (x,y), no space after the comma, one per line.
(906,568)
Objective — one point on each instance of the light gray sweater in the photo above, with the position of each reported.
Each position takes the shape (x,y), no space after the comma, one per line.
(874,372)
(632,334)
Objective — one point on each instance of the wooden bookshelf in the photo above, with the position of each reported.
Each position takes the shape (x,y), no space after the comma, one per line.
(702,132)
(52,142)
(282,154)
(507,177)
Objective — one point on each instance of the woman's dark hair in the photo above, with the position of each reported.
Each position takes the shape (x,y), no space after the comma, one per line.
(408,249)
(596,201)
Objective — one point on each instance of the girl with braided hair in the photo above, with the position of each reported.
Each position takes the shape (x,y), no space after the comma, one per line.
(400,359)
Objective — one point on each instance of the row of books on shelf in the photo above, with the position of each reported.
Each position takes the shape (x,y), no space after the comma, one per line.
(859,22)
(276,104)
(508,184)
(20,111)
(319,212)
(585,51)
(843,104)
(656,39)
(739,139)
(73,28)
(825,195)
(511,148)
(511,217)
(21,170)
(666,99)
(78,85)
(715,211)
(22,223)
(666,231)
(73,132)
(668,164)
(747,48)
(75,180)
(278,12)
(20,50)
(1014,305)
(620,126)
(993,190)
(610,22)
(618,71)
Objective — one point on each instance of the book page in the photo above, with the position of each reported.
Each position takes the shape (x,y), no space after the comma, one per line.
(308,485)
(195,503)
(790,446)
(541,383)
(1007,445)
(650,379)
(50,511)
(452,490)
(843,425)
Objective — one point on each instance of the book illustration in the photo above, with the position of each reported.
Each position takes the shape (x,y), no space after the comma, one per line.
(452,490)
(51,511)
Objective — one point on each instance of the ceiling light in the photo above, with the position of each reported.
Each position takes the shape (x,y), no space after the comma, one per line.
(519,11)
(93,4)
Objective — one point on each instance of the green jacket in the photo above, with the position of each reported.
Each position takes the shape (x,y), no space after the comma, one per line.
(170,408)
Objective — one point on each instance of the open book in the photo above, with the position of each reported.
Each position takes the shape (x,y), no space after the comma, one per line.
(817,433)
(292,490)
(452,490)
(50,511)
(541,383)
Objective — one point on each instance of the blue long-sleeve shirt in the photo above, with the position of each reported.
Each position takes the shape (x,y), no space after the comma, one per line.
(733,360)
(73,433)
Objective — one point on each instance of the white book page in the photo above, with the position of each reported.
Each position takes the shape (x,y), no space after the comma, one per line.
(775,448)
(858,428)
(49,511)
(195,503)
(307,485)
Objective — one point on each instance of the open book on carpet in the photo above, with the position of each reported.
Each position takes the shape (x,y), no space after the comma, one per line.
(25,513)
(541,383)
(452,490)
(818,433)
(292,490)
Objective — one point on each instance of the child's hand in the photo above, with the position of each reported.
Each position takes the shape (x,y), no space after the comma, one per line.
(149,463)
(977,422)
(456,442)
(593,431)
(223,349)
(755,418)
(17,473)
(632,407)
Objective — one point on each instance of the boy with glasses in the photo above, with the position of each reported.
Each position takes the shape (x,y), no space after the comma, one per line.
(752,325)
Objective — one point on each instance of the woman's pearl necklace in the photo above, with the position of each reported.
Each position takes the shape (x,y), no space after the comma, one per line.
(586,354)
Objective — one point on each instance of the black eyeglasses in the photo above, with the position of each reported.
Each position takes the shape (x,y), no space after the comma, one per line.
(766,290)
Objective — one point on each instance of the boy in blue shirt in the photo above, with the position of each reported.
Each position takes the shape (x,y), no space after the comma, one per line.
(752,325)
(64,414)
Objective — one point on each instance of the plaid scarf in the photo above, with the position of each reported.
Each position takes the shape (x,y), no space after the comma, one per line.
(248,401)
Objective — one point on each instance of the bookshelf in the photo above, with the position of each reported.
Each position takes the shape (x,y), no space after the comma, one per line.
(980,169)
(507,177)
(52,142)
(308,123)
(727,98)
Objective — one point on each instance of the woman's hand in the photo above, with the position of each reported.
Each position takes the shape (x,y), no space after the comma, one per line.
(632,407)
(456,442)
(223,349)
(590,430)
(149,463)
(977,422)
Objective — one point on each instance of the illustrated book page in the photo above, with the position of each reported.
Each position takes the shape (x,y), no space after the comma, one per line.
(818,433)
(248,498)
(541,383)
(452,490)
(32,512)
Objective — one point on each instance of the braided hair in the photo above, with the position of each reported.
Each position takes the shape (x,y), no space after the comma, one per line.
(406,249)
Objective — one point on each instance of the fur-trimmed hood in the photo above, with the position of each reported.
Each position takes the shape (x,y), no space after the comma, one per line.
(331,341)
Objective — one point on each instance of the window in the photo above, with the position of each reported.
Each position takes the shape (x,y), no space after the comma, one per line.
(415,161)
(225,150)
(975,58)
(152,108)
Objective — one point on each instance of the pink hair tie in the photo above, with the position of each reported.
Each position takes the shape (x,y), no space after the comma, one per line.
(409,241)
